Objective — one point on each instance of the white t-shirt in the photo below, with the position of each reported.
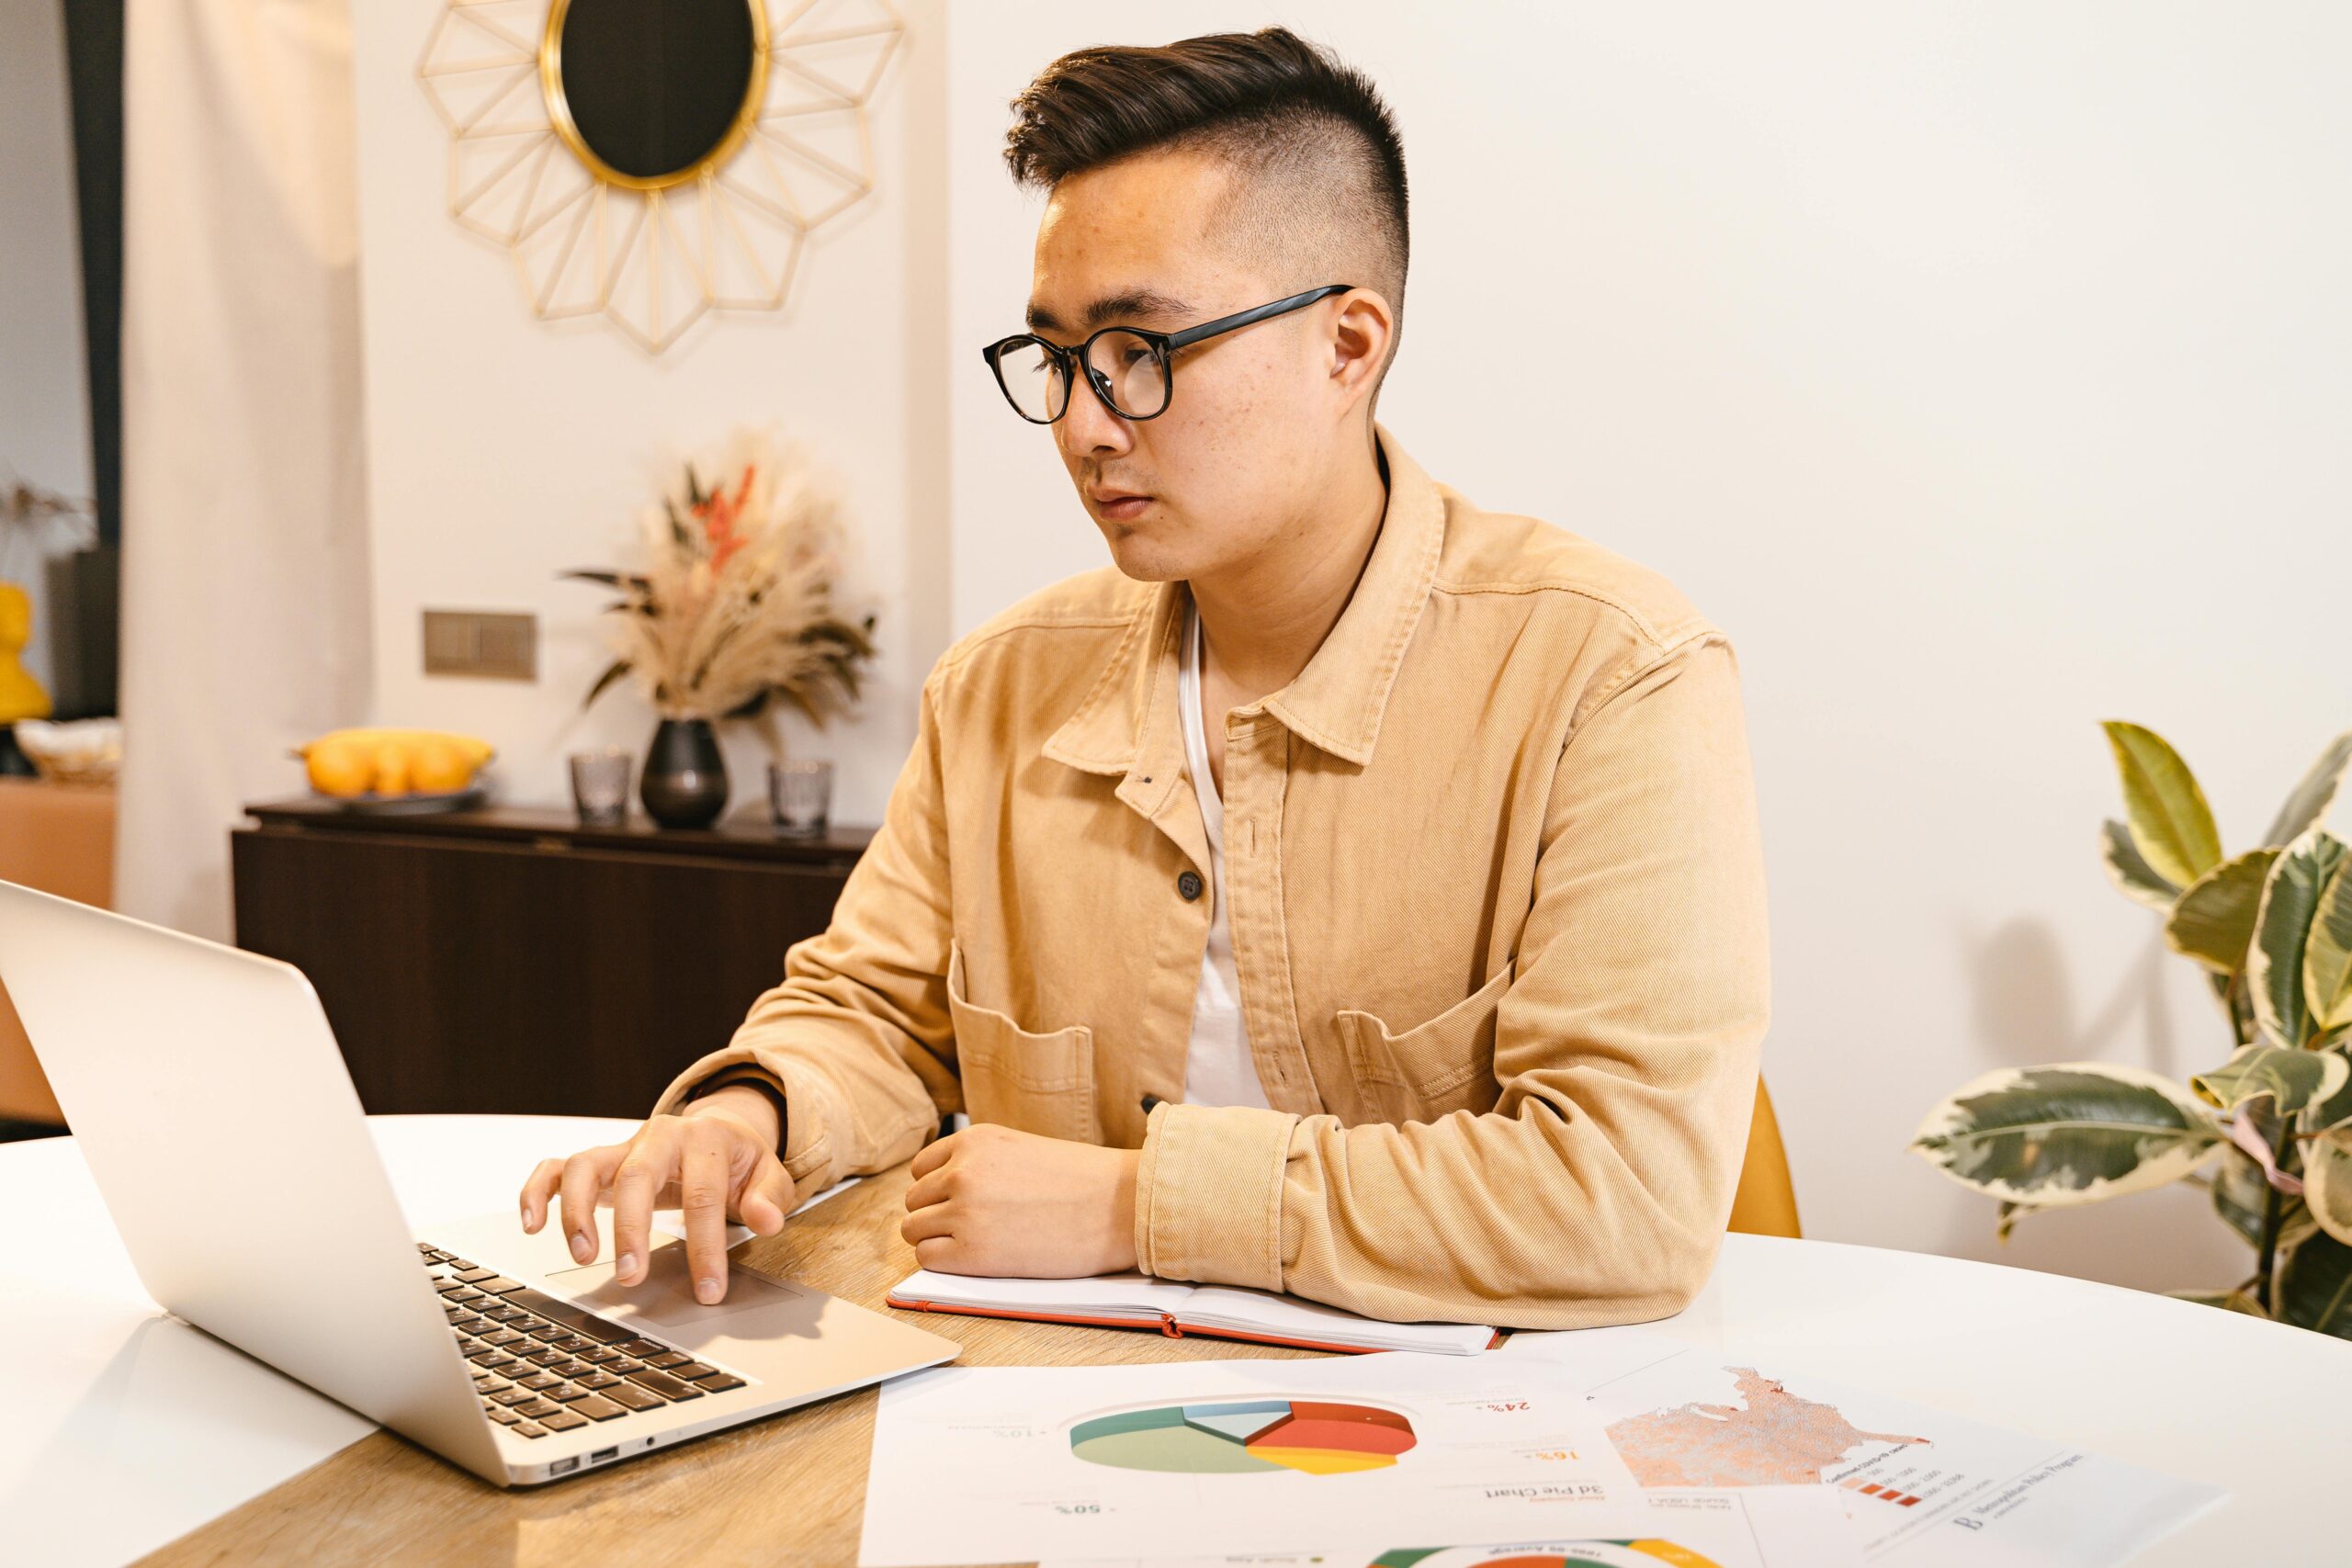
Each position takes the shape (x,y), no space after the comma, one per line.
(1218,1067)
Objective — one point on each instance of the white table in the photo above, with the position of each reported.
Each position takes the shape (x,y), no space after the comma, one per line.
(124,1429)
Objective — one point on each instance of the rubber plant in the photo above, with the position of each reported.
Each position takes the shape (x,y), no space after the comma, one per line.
(2269,1132)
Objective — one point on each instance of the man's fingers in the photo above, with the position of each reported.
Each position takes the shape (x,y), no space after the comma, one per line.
(538,1188)
(652,1160)
(584,1176)
(703,1189)
(925,1223)
(939,1254)
(931,1188)
(767,1196)
(931,1155)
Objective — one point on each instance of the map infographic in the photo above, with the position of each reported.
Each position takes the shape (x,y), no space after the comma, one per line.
(1925,1488)
(1771,1437)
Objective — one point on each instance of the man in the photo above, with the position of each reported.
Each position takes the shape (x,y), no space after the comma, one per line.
(1427,977)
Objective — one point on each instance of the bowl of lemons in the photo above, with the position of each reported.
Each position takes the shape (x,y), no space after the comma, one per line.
(390,771)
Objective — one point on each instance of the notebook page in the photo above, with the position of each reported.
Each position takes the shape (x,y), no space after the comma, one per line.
(1125,1296)
(1288,1317)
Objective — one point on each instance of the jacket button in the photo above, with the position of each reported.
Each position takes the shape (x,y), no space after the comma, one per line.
(1189,885)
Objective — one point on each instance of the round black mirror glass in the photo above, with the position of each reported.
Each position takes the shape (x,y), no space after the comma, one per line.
(653,89)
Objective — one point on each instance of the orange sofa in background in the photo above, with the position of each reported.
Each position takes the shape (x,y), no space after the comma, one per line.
(59,838)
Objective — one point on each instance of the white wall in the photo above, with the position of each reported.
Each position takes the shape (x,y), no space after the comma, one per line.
(1983,371)
(503,450)
(1976,368)
(44,388)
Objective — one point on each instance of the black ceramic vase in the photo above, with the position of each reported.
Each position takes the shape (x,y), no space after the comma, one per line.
(684,782)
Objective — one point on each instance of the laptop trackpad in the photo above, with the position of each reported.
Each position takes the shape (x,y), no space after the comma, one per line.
(756,1307)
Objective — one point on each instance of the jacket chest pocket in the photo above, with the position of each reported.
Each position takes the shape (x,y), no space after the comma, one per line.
(1016,1077)
(1433,1069)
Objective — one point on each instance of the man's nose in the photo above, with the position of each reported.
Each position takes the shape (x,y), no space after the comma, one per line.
(1089,428)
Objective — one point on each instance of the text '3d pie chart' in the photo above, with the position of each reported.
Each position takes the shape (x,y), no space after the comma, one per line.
(1243,1436)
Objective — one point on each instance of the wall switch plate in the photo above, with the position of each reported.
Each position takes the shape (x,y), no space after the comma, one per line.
(492,644)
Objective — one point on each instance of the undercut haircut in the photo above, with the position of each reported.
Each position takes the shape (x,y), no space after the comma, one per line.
(1319,168)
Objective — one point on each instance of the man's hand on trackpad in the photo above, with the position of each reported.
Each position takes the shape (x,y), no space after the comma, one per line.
(717,1162)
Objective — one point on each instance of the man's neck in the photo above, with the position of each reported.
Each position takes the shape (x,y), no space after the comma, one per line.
(1262,622)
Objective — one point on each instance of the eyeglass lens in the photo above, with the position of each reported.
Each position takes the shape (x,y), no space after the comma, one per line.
(1124,367)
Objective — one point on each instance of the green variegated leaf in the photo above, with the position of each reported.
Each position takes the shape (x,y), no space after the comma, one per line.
(2291,1079)
(2275,963)
(2070,1132)
(2313,1289)
(2170,821)
(2130,870)
(2336,1109)
(2311,799)
(2328,1182)
(2327,952)
(2228,1300)
(2214,921)
(2238,1195)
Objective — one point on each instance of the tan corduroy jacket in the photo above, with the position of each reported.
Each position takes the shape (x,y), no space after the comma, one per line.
(1497,911)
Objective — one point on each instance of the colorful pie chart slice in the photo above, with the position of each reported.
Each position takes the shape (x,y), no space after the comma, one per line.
(1239,1437)
(1645,1553)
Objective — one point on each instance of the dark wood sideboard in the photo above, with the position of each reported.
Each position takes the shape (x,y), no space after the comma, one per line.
(508,959)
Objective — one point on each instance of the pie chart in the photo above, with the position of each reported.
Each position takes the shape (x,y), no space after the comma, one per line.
(1561,1554)
(1312,1437)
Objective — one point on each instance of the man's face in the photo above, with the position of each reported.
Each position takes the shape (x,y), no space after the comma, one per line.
(1240,453)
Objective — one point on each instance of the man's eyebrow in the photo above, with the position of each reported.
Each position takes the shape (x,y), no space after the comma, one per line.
(1126,306)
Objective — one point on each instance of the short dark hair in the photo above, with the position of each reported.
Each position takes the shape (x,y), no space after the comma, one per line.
(1269,102)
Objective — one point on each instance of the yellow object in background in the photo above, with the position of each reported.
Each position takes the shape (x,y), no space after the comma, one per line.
(342,770)
(391,769)
(438,765)
(348,763)
(21,696)
(1766,1202)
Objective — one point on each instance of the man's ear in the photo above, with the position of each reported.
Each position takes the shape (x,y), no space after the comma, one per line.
(1361,336)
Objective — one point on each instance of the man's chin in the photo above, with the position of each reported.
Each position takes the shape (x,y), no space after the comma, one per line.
(1142,558)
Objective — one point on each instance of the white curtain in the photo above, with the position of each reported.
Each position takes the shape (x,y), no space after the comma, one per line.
(245,590)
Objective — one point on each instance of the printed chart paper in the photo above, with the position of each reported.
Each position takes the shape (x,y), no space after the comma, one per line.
(1925,1489)
(1002,1464)
(1760,1527)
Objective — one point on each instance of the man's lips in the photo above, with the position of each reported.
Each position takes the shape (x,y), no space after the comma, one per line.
(1118,503)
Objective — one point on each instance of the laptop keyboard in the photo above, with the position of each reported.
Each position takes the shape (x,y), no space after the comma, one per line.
(541,1365)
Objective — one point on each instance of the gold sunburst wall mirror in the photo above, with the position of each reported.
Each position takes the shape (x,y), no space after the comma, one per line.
(656,159)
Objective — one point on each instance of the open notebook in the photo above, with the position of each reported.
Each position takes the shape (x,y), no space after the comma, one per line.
(1137,1301)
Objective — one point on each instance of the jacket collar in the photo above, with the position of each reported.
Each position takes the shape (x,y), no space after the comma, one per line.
(1128,716)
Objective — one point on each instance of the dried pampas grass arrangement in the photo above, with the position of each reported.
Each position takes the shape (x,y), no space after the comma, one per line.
(735,609)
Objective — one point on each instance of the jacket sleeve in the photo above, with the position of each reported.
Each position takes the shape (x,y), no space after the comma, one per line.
(1627,1047)
(858,1037)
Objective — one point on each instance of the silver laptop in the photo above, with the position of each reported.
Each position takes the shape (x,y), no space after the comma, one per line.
(213,1105)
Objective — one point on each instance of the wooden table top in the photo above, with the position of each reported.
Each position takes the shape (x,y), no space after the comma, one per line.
(790,1489)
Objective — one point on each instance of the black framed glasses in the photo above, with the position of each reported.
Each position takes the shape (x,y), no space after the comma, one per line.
(1127,366)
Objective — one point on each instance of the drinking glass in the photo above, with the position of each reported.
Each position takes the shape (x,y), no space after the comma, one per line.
(800,798)
(600,786)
